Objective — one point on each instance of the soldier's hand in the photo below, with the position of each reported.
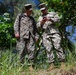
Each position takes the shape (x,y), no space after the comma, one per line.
(17,36)
(43,21)
(36,39)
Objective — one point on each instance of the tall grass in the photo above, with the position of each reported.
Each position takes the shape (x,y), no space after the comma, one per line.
(9,63)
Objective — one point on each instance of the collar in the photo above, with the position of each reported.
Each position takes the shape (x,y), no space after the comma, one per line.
(25,14)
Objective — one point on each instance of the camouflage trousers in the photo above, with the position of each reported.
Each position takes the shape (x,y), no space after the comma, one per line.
(25,46)
(50,41)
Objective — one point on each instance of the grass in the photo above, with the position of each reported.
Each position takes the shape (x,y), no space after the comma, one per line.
(9,65)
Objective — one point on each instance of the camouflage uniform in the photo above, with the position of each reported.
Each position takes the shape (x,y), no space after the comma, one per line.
(25,44)
(51,36)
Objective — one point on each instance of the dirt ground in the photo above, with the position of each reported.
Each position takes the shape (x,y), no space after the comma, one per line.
(63,70)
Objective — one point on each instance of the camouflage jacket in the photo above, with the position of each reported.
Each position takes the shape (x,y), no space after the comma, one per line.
(26,26)
(49,27)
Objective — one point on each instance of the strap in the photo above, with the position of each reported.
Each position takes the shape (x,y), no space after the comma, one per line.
(20,16)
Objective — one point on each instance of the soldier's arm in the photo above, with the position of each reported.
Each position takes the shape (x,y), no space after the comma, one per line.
(54,18)
(16,26)
(41,22)
(36,33)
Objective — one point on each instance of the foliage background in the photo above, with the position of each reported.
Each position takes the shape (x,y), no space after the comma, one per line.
(8,61)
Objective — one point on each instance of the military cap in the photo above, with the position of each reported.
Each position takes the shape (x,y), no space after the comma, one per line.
(42,6)
(28,6)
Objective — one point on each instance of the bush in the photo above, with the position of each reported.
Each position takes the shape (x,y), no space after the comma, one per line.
(6,31)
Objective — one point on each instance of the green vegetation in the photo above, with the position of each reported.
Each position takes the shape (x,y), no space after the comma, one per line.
(9,64)
(6,31)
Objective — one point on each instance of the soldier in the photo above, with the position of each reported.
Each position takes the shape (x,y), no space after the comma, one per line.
(25,31)
(50,36)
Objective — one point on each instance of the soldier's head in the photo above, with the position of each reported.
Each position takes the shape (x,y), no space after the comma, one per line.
(43,8)
(28,9)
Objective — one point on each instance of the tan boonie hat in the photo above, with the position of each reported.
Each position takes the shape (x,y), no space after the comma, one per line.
(28,6)
(42,6)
